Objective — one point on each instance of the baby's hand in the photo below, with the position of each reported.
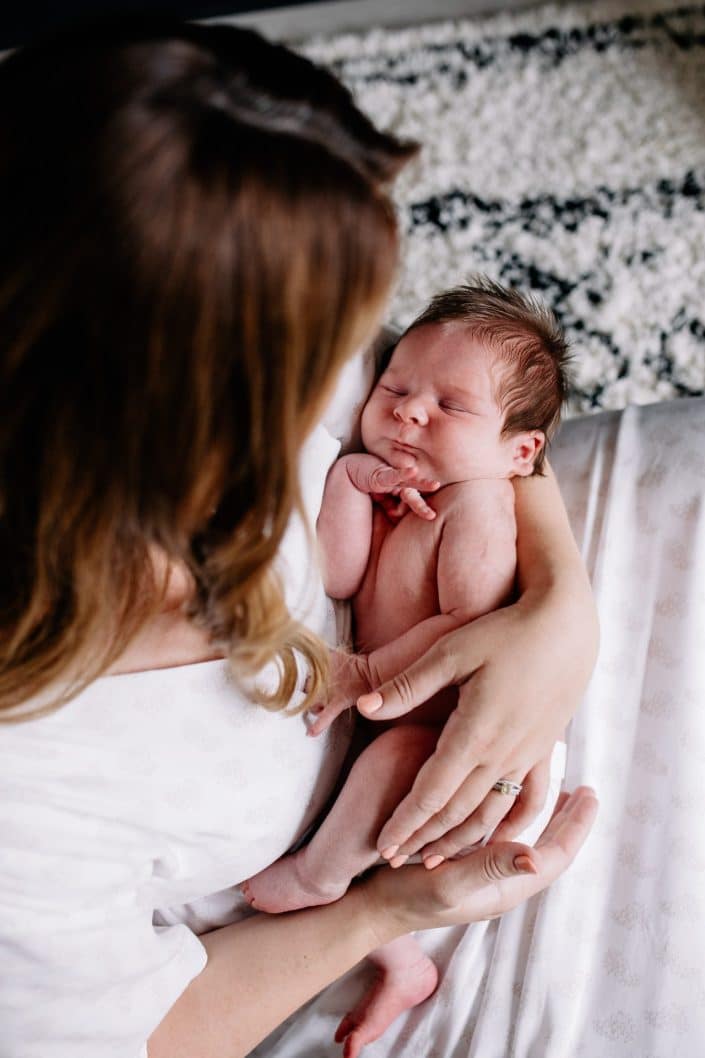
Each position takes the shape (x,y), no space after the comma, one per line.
(411,499)
(373,477)
(349,678)
(408,499)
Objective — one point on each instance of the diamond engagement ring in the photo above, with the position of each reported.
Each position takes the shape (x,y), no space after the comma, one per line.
(506,786)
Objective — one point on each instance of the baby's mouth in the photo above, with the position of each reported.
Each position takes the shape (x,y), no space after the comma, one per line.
(411,449)
(404,455)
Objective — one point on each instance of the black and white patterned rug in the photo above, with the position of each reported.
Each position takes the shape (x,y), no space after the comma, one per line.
(564,153)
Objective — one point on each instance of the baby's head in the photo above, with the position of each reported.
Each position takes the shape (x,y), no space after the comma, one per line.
(473,389)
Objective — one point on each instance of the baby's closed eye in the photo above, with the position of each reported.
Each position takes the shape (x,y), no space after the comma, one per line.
(451,405)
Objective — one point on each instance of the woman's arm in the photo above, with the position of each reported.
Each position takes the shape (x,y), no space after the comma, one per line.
(550,564)
(262,969)
(521,673)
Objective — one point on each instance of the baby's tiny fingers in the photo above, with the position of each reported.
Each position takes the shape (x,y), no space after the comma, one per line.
(319,719)
(414,499)
(427,485)
(398,511)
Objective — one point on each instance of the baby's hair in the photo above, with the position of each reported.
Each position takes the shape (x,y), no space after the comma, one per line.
(530,345)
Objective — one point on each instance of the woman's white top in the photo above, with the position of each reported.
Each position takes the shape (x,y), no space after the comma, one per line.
(127,816)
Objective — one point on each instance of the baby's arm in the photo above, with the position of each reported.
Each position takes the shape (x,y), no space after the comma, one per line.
(344,527)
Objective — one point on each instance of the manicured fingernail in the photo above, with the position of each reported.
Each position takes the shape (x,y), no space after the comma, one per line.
(390,851)
(433,861)
(524,864)
(398,861)
(370,703)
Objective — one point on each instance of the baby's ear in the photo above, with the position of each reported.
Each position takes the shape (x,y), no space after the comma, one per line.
(525,448)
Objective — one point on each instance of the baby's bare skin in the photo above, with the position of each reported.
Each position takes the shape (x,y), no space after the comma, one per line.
(433,436)
(444,557)
(418,583)
(425,577)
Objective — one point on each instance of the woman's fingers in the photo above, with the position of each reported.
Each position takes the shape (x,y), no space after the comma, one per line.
(456,827)
(555,851)
(450,767)
(500,815)
(527,805)
(434,670)
(474,830)
(491,880)
(565,804)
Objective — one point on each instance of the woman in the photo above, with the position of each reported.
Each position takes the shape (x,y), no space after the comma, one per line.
(196,236)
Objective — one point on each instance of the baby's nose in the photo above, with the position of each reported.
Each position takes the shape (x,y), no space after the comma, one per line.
(411,410)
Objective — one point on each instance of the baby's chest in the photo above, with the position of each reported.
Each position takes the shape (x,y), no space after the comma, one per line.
(400,584)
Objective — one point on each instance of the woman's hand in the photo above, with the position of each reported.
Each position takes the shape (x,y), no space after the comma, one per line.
(521,672)
(520,812)
(487,883)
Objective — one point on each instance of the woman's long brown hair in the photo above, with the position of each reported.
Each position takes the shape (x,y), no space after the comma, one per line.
(195,235)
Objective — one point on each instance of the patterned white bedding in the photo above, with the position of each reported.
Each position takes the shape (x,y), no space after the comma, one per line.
(609,962)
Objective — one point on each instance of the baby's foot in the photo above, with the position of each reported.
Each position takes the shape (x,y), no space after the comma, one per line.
(400,983)
(287,886)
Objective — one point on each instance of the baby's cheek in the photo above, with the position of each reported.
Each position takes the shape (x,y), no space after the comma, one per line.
(366,421)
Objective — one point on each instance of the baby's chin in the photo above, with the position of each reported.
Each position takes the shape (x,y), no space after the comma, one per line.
(401,460)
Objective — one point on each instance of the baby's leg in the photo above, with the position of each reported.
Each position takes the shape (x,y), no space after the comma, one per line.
(404,977)
(344,844)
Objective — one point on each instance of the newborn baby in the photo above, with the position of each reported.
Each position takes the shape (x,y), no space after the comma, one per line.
(419,531)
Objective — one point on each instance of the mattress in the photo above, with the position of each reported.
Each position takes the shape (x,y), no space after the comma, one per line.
(608,963)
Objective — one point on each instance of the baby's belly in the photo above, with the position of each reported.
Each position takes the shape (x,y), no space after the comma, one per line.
(400,590)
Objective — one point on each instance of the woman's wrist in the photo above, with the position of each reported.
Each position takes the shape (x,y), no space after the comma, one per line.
(380,917)
(569,604)
(563,630)
(273,964)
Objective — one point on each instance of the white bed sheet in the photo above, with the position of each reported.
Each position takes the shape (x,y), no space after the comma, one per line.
(609,963)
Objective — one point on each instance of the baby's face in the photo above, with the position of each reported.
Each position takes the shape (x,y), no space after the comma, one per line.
(434,408)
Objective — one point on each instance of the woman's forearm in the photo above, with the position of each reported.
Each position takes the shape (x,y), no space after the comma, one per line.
(262,969)
(549,563)
(546,548)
